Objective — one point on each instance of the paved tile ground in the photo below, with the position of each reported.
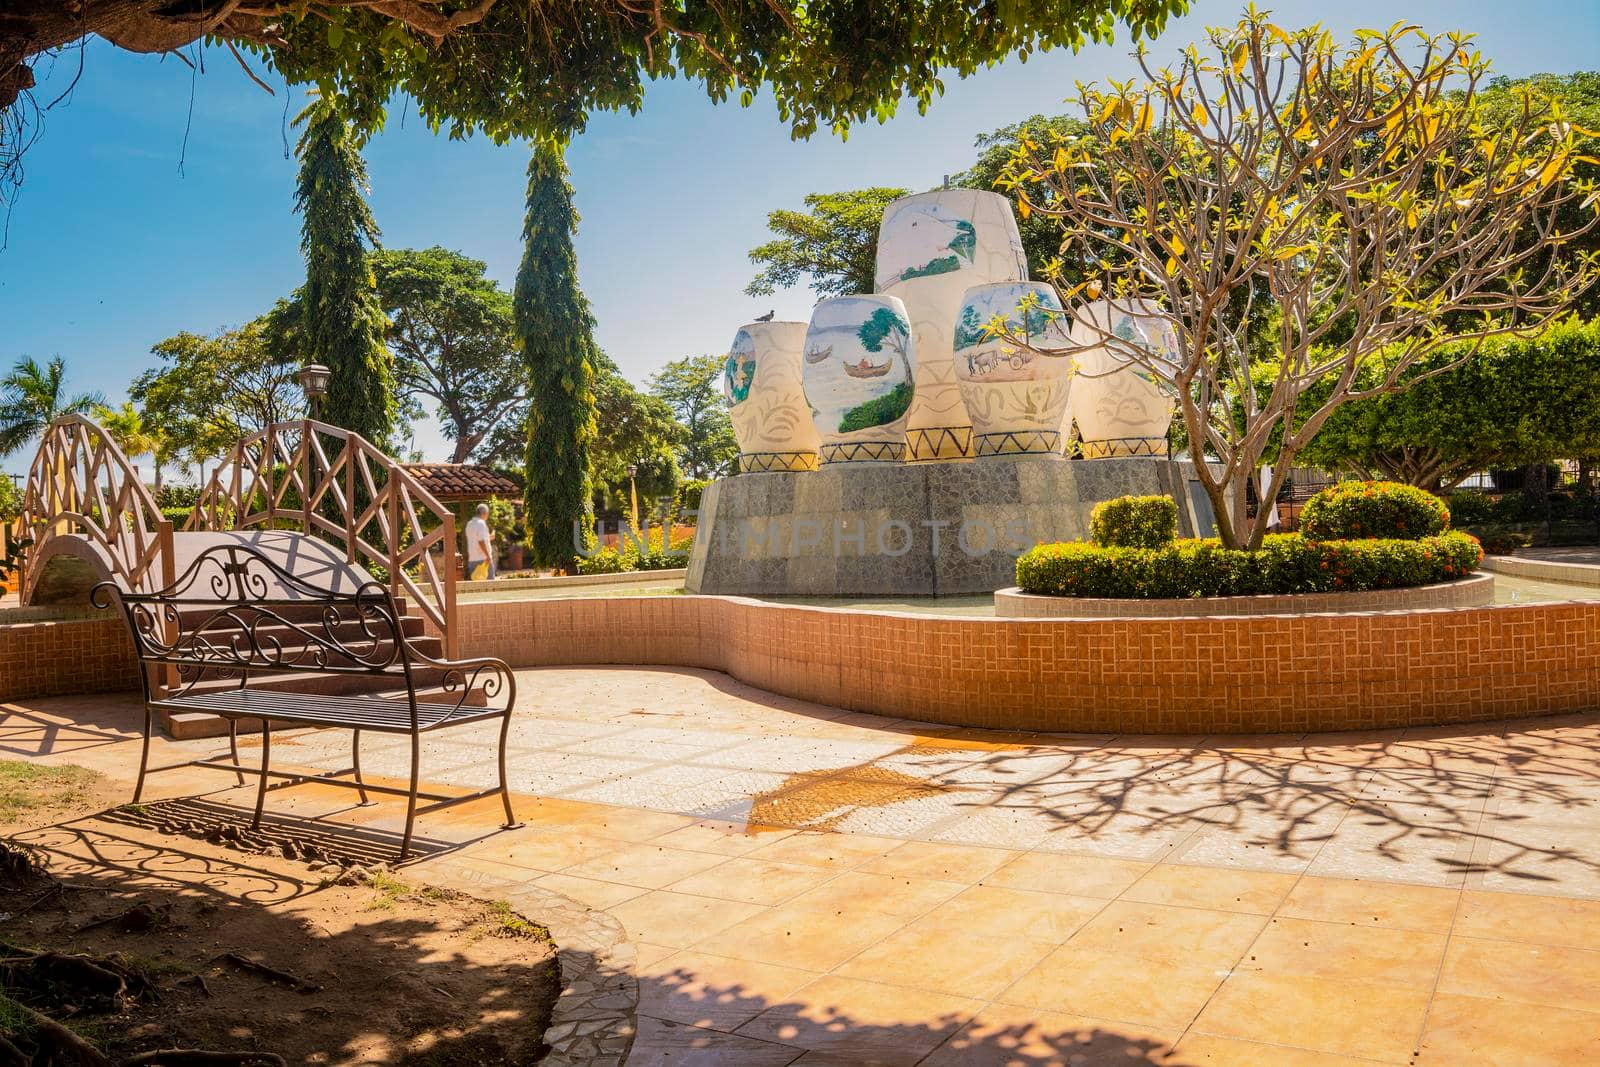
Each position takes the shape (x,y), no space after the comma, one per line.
(808,886)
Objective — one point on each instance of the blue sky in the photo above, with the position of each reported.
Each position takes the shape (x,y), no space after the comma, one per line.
(112,247)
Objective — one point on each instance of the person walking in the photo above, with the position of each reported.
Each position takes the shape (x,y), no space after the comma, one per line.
(480,546)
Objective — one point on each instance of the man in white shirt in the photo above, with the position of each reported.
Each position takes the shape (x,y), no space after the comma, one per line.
(480,546)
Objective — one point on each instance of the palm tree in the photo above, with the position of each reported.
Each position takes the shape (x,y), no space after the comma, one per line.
(126,426)
(32,397)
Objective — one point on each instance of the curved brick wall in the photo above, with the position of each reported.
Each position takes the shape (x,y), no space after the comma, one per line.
(1472,592)
(1254,674)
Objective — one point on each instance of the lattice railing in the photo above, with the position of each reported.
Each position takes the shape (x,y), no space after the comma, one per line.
(336,485)
(82,487)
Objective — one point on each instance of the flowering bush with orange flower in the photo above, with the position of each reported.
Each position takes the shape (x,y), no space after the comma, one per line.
(1373,509)
(1285,563)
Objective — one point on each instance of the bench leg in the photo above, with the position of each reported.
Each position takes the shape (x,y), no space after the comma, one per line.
(505,790)
(233,745)
(411,798)
(144,754)
(266,757)
(355,760)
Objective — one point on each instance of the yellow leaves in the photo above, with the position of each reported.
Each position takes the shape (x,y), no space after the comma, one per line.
(1107,108)
(1060,160)
(1178,246)
(1289,253)
(1023,207)
(1197,114)
(1145,116)
(1239,56)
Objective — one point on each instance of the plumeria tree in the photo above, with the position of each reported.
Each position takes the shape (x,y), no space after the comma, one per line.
(1277,196)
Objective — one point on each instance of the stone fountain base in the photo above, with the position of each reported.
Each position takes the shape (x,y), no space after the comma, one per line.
(920,529)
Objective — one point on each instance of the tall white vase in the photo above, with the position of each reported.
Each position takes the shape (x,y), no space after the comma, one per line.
(761,384)
(932,247)
(1015,398)
(1118,405)
(859,370)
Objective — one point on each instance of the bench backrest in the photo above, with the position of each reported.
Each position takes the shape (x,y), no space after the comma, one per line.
(234,611)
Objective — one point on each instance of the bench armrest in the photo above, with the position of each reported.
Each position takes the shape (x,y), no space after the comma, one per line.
(492,675)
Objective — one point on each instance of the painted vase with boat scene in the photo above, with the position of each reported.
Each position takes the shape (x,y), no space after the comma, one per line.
(859,369)
(761,384)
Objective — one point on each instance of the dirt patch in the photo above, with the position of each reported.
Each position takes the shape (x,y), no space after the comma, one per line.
(182,943)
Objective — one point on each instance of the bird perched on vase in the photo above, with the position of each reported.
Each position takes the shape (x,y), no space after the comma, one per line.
(768,316)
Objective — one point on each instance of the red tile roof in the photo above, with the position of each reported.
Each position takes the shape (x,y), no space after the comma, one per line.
(463,481)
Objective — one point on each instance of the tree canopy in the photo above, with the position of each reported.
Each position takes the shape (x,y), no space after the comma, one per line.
(555,329)
(1358,191)
(634,429)
(343,326)
(1518,401)
(834,243)
(690,387)
(520,68)
(32,396)
(209,392)
(454,339)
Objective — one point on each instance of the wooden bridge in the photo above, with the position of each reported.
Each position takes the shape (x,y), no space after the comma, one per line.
(326,503)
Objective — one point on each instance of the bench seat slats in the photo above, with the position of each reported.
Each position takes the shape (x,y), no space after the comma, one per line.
(363,712)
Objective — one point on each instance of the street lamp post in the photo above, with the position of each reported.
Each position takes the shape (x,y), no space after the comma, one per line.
(313,379)
(633,496)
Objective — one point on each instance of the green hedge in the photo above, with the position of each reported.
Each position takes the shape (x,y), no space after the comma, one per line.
(1286,563)
(1373,509)
(1134,522)
(611,561)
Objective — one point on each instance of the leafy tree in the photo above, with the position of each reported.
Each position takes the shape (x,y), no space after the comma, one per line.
(343,323)
(32,397)
(1361,189)
(1519,401)
(690,388)
(1579,96)
(516,68)
(556,330)
(209,392)
(454,339)
(127,426)
(10,508)
(634,429)
(834,243)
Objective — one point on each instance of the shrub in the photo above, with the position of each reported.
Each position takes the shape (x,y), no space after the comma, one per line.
(1286,563)
(1134,522)
(177,495)
(1350,510)
(176,515)
(689,494)
(1505,542)
(605,561)
(1470,508)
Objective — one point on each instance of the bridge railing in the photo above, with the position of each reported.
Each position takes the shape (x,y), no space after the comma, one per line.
(82,489)
(325,481)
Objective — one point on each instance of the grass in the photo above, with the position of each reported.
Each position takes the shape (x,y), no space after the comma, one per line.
(500,921)
(27,787)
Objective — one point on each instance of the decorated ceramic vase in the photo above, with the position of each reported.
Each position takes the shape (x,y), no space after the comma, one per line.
(1118,405)
(766,399)
(1015,398)
(932,247)
(859,368)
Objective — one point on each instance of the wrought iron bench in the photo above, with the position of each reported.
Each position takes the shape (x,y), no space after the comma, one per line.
(234,612)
